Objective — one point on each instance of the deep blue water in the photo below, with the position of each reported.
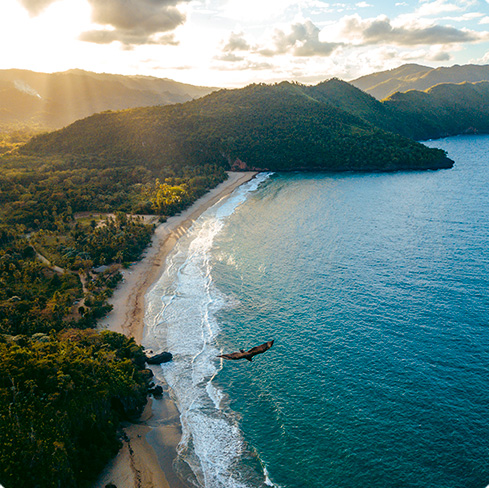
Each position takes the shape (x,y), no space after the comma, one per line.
(375,290)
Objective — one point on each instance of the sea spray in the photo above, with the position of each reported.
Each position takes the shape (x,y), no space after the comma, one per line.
(180,318)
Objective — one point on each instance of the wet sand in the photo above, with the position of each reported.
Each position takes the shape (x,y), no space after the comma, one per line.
(149,448)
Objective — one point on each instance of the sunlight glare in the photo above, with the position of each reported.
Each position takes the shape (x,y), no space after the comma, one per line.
(34,42)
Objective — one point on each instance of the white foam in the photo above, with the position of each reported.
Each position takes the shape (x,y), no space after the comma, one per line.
(268,481)
(180,318)
(215,394)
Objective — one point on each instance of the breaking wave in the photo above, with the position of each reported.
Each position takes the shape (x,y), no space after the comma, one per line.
(180,318)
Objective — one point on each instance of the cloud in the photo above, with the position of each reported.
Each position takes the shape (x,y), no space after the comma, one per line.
(302,40)
(363,5)
(381,31)
(465,17)
(438,6)
(134,22)
(35,7)
(229,58)
(440,56)
(485,20)
(128,39)
(236,42)
(423,55)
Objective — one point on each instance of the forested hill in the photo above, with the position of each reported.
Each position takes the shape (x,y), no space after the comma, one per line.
(275,127)
(443,110)
(58,99)
(417,77)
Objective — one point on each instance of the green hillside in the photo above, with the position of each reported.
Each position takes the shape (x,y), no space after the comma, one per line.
(443,110)
(416,77)
(58,99)
(268,127)
(346,97)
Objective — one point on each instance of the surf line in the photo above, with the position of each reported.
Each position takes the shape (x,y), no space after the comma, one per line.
(180,318)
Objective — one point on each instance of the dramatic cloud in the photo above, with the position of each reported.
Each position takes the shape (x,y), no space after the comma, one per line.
(303,40)
(381,31)
(35,7)
(134,21)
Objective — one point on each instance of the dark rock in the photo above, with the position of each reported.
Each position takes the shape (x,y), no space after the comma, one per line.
(163,357)
(157,391)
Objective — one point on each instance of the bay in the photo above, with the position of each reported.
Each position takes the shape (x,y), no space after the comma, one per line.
(374,288)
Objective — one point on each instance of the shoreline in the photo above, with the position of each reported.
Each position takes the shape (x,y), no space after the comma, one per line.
(149,445)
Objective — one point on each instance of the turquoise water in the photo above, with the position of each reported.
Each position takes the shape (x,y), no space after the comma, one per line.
(375,290)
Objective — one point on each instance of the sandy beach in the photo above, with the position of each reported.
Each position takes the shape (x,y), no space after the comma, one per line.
(149,446)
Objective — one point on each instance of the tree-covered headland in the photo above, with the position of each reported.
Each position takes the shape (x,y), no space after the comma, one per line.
(279,127)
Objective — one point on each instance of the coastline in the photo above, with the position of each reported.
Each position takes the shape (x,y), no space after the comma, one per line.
(149,446)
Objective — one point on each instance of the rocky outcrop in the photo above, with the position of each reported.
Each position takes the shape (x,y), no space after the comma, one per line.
(239,165)
(162,357)
(157,391)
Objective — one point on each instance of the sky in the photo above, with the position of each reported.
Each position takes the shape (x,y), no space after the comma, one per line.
(231,43)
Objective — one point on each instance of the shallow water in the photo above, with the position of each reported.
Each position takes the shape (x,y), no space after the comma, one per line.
(374,287)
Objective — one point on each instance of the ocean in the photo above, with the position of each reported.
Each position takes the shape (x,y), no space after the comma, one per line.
(374,287)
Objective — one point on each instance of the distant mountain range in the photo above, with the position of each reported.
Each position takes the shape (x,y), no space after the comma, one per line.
(417,77)
(58,99)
